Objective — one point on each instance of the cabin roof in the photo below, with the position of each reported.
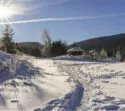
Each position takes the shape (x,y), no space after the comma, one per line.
(75,49)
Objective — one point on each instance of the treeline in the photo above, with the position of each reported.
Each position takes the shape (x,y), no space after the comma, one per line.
(48,48)
(52,48)
(116,52)
(30,50)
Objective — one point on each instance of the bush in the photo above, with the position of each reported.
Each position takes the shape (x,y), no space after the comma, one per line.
(118,56)
(103,53)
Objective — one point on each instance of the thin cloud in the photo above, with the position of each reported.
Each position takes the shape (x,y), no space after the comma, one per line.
(62,19)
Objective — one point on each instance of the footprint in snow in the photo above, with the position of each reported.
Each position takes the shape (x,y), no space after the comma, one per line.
(14,101)
(99,93)
(38,109)
(108,98)
(106,81)
(110,107)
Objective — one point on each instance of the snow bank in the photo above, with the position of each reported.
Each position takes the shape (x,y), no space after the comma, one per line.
(30,83)
(70,102)
(74,98)
(12,65)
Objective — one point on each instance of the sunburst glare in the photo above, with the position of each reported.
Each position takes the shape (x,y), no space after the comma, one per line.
(8,9)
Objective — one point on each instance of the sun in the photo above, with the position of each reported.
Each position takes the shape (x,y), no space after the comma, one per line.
(5,12)
(9,9)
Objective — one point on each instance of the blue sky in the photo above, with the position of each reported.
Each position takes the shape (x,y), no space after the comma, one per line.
(71,20)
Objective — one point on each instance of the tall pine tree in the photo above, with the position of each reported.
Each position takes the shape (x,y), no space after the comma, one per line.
(7,40)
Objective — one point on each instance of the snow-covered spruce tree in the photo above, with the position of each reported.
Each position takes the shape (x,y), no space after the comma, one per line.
(7,40)
(46,42)
(103,53)
(118,56)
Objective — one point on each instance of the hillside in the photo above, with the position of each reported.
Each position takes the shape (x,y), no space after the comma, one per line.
(102,42)
(31,48)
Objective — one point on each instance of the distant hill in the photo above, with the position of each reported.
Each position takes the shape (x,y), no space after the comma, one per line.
(30,44)
(102,42)
(31,48)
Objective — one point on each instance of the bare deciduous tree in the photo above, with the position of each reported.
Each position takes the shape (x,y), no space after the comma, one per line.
(46,42)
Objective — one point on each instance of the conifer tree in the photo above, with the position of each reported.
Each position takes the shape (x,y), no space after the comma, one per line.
(7,40)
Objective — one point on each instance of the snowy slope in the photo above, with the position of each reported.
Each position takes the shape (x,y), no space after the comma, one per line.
(34,83)
(61,84)
(103,84)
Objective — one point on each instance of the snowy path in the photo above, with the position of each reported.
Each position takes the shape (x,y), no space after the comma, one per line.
(63,85)
(103,84)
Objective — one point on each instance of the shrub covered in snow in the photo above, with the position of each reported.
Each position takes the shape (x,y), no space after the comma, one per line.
(118,56)
(14,65)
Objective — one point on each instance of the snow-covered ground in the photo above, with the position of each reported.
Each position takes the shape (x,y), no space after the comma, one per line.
(61,84)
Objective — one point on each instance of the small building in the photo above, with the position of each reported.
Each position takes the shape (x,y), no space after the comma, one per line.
(75,51)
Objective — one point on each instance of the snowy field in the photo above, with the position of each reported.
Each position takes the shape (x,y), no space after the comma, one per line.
(61,84)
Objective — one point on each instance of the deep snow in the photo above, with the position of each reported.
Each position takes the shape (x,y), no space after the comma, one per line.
(61,84)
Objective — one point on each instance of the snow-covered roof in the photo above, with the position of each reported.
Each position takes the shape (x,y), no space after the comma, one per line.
(74,49)
(92,51)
